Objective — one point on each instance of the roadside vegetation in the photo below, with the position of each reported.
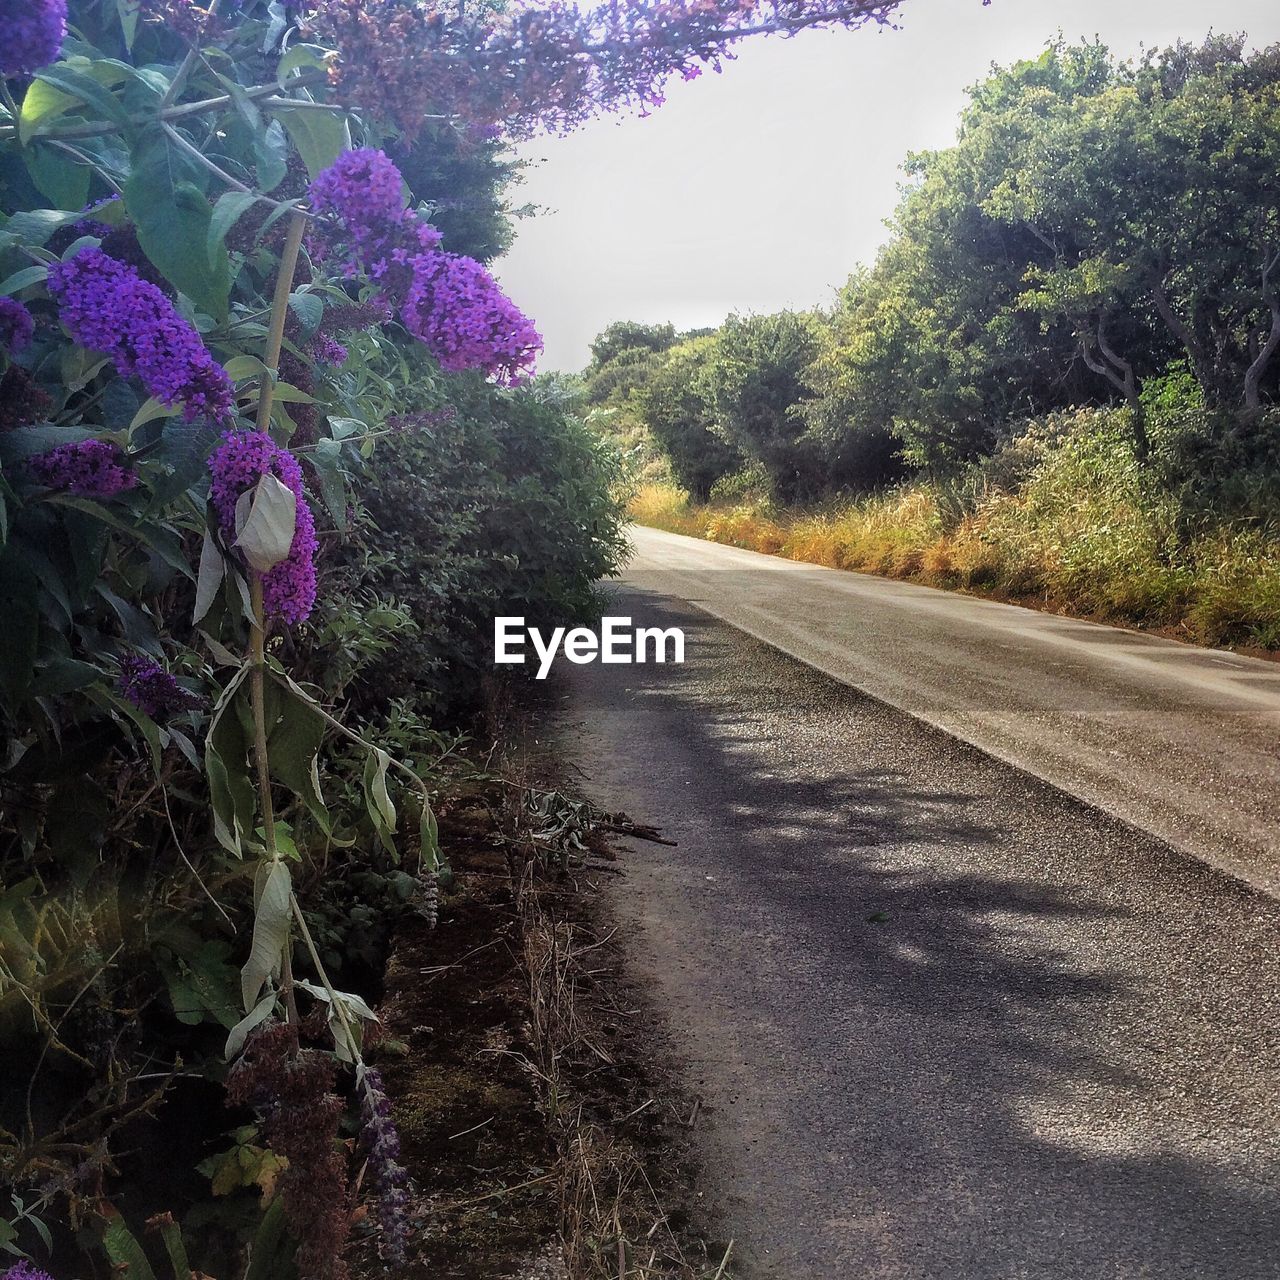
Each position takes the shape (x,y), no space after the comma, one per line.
(271,459)
(1057,382)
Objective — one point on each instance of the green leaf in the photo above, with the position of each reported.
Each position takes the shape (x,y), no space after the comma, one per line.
(208,577)
(226,762)
(66,85)
(319,136)
(174,1246)
(271,156)
(270,933)
(63,675)
(173,218)
(327,472)
(26,442)
(242,368)
(271,1254)
(429,836)
(150,731)
(124,1251)
(24,279)
(231,206)
(152,410)
(240,1032)
(160,538)
(33,227)
(60,177)
(185,448)
(119,404)
(309,308)
(287,393)
(310,56)
(378,799)
(293,746)
(128,11)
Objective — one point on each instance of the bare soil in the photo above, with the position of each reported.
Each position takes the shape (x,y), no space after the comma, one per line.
(541,1118)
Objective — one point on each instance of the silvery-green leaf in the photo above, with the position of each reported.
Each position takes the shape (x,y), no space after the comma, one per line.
(240,1032)
(208,577)
(270,933)
(265,533)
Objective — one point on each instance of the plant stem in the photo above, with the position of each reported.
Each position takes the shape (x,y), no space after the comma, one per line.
(279,314)
(258,622)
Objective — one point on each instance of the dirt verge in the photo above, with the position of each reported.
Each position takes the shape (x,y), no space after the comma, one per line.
(541,1116)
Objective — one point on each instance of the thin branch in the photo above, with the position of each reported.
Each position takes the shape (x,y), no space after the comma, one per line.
(79,155)
(196,154)
(97,130)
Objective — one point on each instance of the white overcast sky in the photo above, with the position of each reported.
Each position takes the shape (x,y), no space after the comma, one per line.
(761,188)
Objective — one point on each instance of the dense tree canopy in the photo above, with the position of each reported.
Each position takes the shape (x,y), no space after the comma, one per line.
(1097,225)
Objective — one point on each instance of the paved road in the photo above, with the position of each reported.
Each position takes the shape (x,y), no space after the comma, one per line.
(949,1022)
(1181,741)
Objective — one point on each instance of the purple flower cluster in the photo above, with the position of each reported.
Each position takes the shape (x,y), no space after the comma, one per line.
(25,1271)
(457,308)
(237,464)
(108,307)
(87,468)
(326,350)
(152,689)
(390,1179)
(362,188)
(33,34)
(449,302)
(16,326)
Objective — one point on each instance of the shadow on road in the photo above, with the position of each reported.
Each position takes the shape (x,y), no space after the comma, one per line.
(949,1022)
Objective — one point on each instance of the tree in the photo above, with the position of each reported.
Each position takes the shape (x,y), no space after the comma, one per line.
(1156,198)
(683,422)
(754,380)
(464,181)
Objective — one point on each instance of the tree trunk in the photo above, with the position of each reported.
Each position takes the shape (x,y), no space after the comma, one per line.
(1200,361)
(1119,372)
(1253,377)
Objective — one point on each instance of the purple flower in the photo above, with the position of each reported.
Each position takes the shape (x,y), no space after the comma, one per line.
(390,1179)
(87,468)
(108,307)
(450,303)
(326,350)
(237,464)
(456,307)
(33,34)
(361,225)
(16,326)
(361,188)
(152,689)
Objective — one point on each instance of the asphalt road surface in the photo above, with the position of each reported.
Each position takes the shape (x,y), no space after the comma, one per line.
(950,1021)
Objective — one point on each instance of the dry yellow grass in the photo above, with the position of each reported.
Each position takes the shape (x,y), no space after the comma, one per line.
(1103,551)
